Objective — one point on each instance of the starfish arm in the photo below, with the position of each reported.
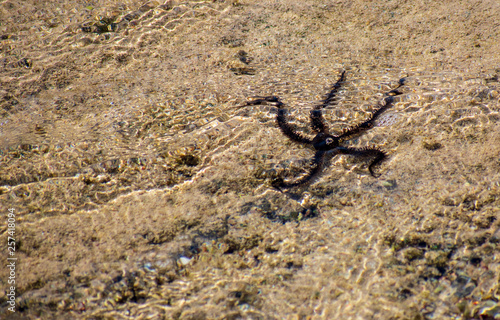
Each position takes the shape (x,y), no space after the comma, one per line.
(378,155)
(333,91)
(368,123)
(318,163)
(318,123)
(273,100)
(288,130)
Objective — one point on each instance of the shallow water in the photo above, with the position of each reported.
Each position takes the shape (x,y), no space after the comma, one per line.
(142,185)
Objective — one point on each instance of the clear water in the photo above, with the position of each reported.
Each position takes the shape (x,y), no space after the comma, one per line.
(142,187)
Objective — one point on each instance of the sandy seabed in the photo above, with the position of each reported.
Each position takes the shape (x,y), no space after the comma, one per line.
(142,188)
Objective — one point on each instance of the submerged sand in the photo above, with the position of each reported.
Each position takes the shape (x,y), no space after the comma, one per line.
(142,190)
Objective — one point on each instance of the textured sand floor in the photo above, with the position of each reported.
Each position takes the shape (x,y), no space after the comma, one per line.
(142,190)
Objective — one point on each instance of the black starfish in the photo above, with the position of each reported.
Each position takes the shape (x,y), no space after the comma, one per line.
(326,144)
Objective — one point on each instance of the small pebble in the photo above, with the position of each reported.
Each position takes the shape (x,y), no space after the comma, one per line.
(184,261)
